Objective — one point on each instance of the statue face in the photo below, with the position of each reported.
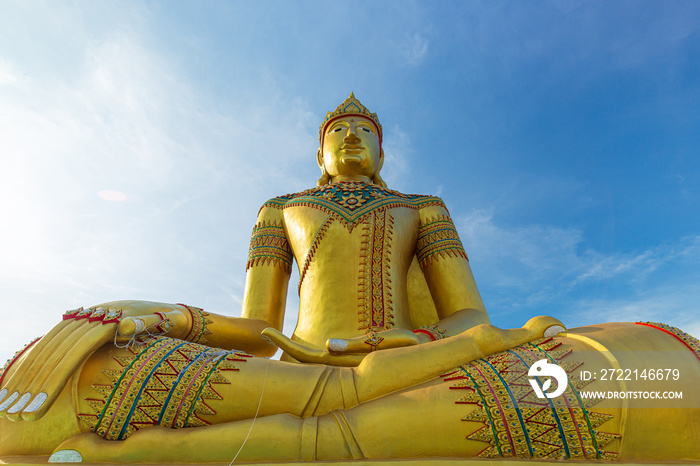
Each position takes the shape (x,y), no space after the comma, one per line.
(351,147)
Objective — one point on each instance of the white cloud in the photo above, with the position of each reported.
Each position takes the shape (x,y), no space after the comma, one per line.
(522,256)
(673,305)
(112,196)
(518,257)
(539,269)
(9,76)
(415,48)
(128,126)
(637,264)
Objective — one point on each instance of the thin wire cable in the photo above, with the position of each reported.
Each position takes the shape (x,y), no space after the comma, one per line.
(256,414)
(141,333)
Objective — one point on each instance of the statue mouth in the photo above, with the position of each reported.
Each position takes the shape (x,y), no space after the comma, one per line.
(352,147)
(350,158)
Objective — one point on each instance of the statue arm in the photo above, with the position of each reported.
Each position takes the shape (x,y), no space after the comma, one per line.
(263,307)
(267,278)
(445,265)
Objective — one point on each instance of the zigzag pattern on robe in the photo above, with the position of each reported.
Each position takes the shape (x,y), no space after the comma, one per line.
(519,424)
(165,382)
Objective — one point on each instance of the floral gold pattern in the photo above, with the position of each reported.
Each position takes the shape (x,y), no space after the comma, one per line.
(352,203)
(350,106)
(373,339)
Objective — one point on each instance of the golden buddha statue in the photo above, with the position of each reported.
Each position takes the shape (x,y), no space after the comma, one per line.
(393,355)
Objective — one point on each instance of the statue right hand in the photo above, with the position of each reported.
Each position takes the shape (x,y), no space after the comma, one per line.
(347,352)
(35,379)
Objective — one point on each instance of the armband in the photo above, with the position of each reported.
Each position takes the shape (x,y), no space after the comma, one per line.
(437,238)
(269,244)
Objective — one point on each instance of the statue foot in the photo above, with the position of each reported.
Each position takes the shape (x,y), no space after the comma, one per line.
(66,456)
(544,326)
(491,339)
(89,447)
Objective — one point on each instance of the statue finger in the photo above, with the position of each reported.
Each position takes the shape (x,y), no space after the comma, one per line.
(337,345)
(54,345)
(132,326)
(36,362)
(26,365)
(51,354)
(373,341)
(154,324)
(310,355)
(44,392)
(181,323)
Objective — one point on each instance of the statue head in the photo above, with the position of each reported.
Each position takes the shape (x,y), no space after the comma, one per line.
(350,144)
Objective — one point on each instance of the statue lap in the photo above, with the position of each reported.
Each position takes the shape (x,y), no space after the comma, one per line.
(484,408)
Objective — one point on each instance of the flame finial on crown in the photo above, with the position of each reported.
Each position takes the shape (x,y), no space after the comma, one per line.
(350,106)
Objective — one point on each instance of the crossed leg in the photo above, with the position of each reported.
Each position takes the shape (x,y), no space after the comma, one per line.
(300,421)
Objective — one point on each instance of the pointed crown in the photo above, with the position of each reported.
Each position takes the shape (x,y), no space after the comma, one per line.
(350,106)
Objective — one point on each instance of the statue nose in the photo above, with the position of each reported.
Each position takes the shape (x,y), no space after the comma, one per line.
(351,138)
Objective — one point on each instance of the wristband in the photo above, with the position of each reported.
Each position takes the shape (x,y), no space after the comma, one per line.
(433,331)
(199,325)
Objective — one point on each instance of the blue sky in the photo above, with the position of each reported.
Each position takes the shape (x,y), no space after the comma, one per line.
(140,138)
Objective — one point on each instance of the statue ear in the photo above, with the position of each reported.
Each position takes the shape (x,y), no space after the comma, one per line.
(319,159)
(325,179)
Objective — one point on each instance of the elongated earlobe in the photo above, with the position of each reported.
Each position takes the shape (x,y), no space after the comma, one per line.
(376,179)
(325,178)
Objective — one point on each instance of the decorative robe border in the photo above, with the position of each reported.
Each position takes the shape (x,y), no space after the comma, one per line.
(167,383)
(519,424)
(689,341)
(351,203)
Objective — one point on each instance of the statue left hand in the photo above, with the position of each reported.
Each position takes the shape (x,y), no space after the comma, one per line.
(35,380)
(342,352)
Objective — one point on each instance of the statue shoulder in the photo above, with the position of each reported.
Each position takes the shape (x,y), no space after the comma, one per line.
(429,206)
(277,204)
(434,207)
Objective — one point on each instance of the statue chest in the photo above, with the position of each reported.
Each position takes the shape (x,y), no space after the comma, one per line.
(356,270)
(351,215)
(314,232)
(353,243)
